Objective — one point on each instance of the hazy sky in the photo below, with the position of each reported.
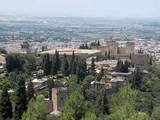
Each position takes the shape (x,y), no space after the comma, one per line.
(84,8)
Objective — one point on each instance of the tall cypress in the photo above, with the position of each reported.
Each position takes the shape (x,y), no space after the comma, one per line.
(57,61)
(50,86)
(30,90)
(5,105)
(46,64)
(126,66)
(55,64)
(105,104)
(78,74)
(73,64)
(109,55)
(65,66)
(21,99)
(93,71)
(53,70)
(150,60)
(98,43)
(137,80)
(81,70)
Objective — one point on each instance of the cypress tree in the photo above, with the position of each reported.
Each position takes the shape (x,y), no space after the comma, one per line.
(21,99)
(30,90)
(84,68)
(98,43)
(105,104)
(78,74)
(53,69)
(119,67)
(50,86)
(73,64)
(150,60)
(130,56)
(125,66)
(65,66)
(137,81)
(46,64)
(109,55)
(86,46)
(93,71)
(36,110)
(81,70)
(57,61)
(55,64)
(5,105)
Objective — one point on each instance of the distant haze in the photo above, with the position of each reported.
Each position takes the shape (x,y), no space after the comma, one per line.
(82,8)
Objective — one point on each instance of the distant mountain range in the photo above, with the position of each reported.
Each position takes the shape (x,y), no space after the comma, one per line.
(18,18)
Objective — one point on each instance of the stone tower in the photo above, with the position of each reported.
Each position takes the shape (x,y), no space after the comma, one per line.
(112,47)
(130,47)
(59,95)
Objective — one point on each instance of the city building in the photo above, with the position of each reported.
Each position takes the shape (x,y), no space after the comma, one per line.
(39,83)
(140,60)
(115,48)
(111,84)
(130,47)
(108,65)
(112,47)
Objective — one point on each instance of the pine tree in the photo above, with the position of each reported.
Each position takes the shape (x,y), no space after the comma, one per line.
(74,108)
(90,116)
(65,66)
(36,110)
(21,99)
(5,105)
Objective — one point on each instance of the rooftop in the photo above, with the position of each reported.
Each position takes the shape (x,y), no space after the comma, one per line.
(117,79)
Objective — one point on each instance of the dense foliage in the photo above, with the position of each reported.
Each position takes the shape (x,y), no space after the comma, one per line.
(137,99)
